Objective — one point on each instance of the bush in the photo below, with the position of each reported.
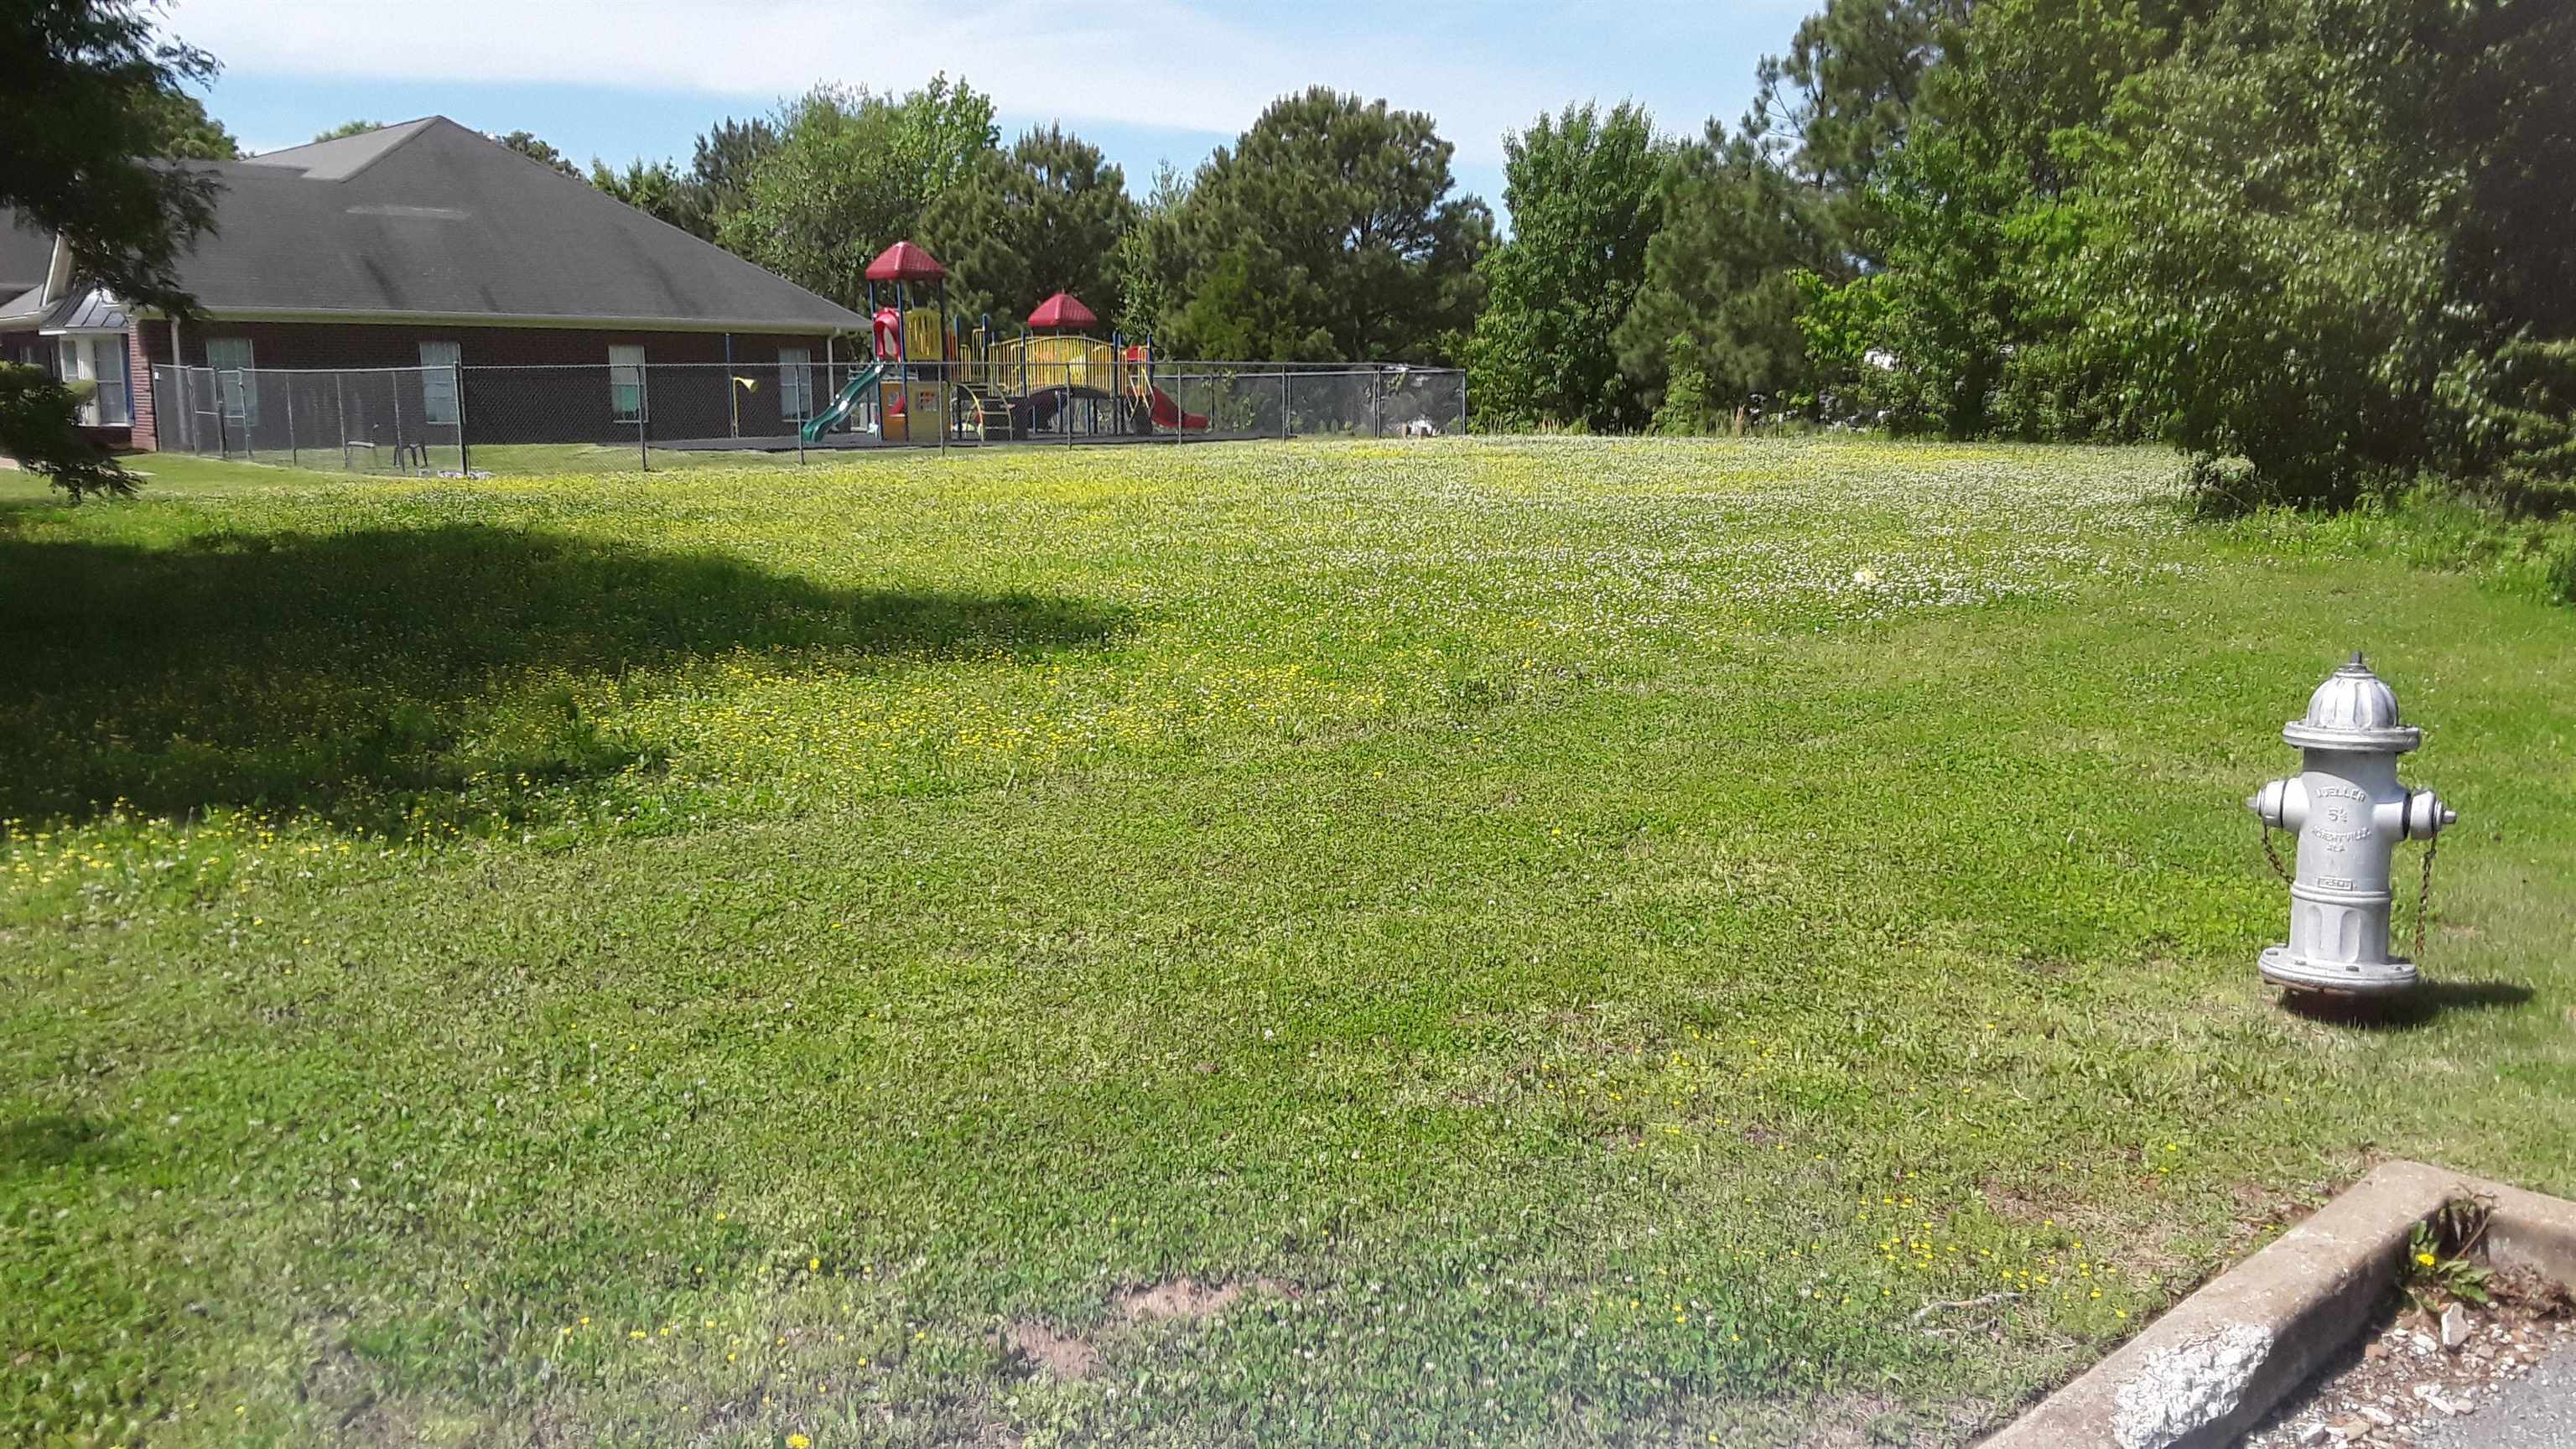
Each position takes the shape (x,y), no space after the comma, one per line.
(40,427)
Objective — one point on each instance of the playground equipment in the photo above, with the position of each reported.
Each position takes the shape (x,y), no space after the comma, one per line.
(932,379)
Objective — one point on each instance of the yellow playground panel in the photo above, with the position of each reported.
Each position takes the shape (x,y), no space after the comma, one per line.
(1026,364)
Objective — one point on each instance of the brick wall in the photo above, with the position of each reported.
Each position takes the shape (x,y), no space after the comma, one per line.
(138,386)
(541,384)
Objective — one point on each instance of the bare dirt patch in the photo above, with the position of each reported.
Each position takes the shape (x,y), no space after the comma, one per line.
(1064,1355)
(1187,1298)
(1176,1298)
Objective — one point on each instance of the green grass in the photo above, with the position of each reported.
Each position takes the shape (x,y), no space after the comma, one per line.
(1596,942)
(513,459)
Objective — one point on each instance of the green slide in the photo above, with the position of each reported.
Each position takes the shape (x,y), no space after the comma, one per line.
(842,406)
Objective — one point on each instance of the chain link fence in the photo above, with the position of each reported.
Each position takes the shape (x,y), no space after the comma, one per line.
(1250,400)
(427,421)
(403,420)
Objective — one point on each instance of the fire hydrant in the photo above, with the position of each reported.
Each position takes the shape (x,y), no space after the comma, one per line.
(2349,813)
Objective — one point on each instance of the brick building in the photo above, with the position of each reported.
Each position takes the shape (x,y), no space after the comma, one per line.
(430,248)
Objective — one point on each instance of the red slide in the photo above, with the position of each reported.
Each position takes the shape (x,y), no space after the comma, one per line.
(1166,411)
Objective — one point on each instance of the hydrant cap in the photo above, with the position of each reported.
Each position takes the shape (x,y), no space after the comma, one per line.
(2353,710)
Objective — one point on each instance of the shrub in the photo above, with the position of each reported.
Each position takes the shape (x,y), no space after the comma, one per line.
(40,427)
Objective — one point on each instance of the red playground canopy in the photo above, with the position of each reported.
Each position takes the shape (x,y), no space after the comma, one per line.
(904,262)
(1061,311)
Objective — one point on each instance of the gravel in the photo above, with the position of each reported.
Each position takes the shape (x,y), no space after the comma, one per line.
(2536,1412)
(2495,1377)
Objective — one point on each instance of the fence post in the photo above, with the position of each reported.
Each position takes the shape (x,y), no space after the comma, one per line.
(340,414)
(1287,404)
(294,457)
(464,460)
(643,412)
(1377,403)
(393,385)
(1462,401)
(223,440)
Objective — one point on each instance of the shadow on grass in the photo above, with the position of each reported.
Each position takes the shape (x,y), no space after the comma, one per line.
(2429,1001)
(32,1146)
(362,676)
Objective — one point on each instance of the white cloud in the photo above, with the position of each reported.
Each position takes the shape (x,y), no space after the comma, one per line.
(1136,62)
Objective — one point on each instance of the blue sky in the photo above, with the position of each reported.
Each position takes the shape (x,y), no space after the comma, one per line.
(1145,80)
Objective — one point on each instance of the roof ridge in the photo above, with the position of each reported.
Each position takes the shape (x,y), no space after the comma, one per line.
(398,135)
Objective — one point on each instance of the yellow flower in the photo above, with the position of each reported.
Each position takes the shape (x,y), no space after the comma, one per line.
(2424,1258)
(799,1441)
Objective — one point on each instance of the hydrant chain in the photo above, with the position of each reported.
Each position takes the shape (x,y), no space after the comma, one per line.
(2272,855)
(2424,894)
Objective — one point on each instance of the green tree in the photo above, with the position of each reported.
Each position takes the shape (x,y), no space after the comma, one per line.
(189,134)
(1789,194)
(658,190)
(348,128)
(1581,187)
(90,92)
(1839,104)
(530,145)
(1044,217)
(40,427)
(1327,231)
(1147,267)
(93,149)
(851,174)
(1975,216)
(2324,236)
(1721,289)
(720,170)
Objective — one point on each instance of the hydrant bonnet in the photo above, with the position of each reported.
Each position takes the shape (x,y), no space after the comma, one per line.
(2353,710)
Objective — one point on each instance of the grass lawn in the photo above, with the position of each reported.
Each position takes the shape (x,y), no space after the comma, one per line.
(1552,942)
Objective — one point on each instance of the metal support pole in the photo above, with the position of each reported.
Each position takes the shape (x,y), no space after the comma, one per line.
(393,384)
(733,394)
(464,459)
(340,414)
(643,410)
(1287,402)
(1377,403)
(1462,402)
(294,458)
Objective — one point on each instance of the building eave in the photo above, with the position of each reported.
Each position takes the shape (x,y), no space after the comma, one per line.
(773,325)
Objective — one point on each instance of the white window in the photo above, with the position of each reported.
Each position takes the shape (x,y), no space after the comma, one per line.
(626,384)
(795,383)
(438,381)
(236,381)
(109,362)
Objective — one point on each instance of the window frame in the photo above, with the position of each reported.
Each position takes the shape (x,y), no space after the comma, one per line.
(618,411)
(438,383)
(238,395)
(110,362)
(795,384)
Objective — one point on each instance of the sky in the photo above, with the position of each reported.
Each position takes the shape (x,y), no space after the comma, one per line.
(1147,81)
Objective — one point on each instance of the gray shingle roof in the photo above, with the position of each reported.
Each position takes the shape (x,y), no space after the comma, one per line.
(430,219)
(25,253)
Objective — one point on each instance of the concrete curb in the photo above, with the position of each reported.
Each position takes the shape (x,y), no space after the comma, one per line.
(2206,1371)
